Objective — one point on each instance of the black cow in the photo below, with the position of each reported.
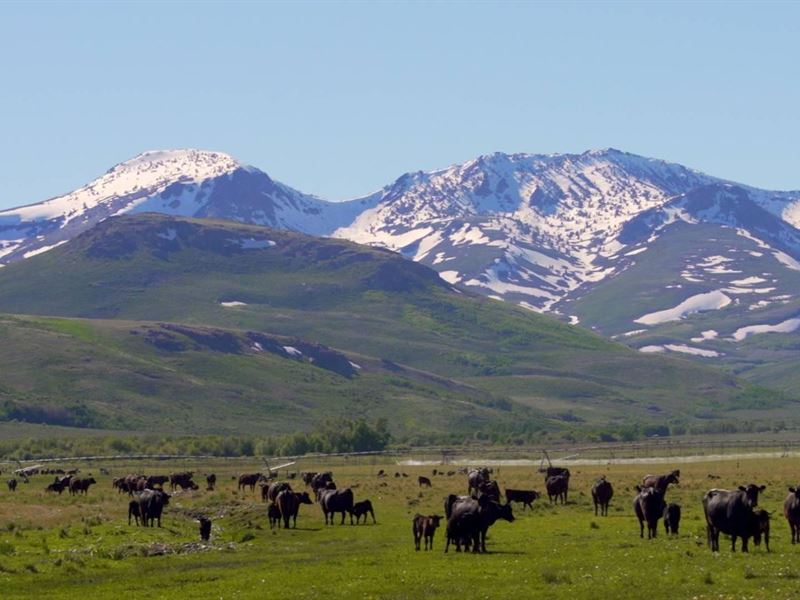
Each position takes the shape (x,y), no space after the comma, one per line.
(470,519)
(661,482)
(425,527)
(555,472)
(525,496)
(307,476)
(250,480)
(557,488)
(424,481)
(288,503)
(12,484)
(156,480)
(151,505)
(270,492)
(649,507)
(602,492)
(672,518)
(336,501)
(274,515)
(732,512)
(211,481)
(475,478)
(182,480)
(134,511)
(363,508)
(791,510)
(321,480)
(205,528)
(490,489)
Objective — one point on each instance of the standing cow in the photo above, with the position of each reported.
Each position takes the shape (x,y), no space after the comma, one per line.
(731,512)
(557,488)
(672,518)
(151,505)
(791,510)
(661,482)
(336,501)
(425,527)
(602,492)
(649,507)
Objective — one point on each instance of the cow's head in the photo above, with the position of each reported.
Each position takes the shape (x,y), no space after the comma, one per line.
(751,492)
(164,497)
(505,512)
(91,480)
(795,491)
(304,498)
(673,478)
(435,519)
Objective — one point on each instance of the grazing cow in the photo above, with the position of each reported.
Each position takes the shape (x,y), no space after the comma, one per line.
(424,481)
(250,480)
(475,478)
(151,505)
(205,528)
(56,486)
(661,482)
(274,516)
(672,518)
(557,488)
(134,511)
(211,481)
(791,510)
(381,473)
(732,512)
(649,508)
(525,496)
(336,501)
(12,485)
(363,508)
(182,480)
(490,489)
(308,476)
(270,492)
(602,492)
(425,527)
(470,519)
(76,486)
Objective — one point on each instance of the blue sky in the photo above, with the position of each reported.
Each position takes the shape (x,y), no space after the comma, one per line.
(339,99)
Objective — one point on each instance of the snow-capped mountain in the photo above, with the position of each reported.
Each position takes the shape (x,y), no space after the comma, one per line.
(177,182)
(604,238)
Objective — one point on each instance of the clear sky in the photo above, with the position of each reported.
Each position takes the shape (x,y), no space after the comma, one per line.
(339,99)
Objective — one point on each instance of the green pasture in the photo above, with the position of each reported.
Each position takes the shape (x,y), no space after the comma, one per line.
(83,547)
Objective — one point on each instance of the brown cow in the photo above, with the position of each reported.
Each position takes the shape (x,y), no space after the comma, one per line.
(425,527)
(424,481)
(76,486)
(211,481)
(661,482)
(182,480)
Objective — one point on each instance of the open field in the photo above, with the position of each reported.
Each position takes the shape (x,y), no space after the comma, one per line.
(65,547)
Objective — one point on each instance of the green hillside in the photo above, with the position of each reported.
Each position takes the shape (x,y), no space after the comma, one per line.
(370,304)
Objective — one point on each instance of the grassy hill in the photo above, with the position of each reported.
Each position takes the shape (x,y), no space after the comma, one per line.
(434,357)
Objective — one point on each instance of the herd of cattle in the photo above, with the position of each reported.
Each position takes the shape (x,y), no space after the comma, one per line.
(467,518)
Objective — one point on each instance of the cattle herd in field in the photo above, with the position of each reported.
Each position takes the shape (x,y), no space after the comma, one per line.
(467,518)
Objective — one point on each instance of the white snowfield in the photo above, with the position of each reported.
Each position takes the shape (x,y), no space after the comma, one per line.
(787,326)
(232,304)
(694,304)
(681,348)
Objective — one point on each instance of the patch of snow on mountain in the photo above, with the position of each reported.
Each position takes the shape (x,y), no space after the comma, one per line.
(292,351)
(709,334)
(699,303)
(787,326)
(43,249)
(450,276)
(232,304)
(786,260)
(748,281)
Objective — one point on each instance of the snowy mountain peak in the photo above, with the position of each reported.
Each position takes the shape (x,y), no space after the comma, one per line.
(197,164)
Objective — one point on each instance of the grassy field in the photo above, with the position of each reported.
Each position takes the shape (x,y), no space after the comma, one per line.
(64,547)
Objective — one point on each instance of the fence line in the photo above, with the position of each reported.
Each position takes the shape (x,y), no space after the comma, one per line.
(610,450)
